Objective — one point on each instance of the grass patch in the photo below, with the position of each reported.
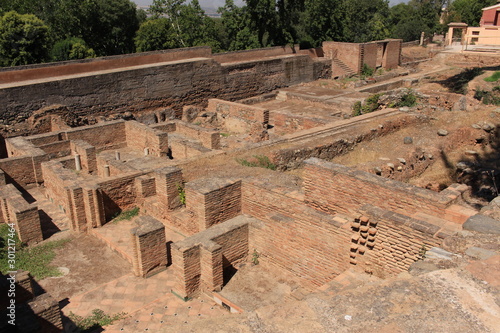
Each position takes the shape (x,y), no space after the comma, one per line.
(126,215)
(367,71)
(371,104)
(260,161)
(493,78)
(97,319)
(36,259)
(225,135)
(182,193)
(488,97)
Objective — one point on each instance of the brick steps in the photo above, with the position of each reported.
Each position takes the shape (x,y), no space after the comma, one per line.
(117,237)
(347,71)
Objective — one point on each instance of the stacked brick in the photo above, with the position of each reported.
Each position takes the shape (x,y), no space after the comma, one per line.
(199,261)
(87,154)
(336,188)
(149,246)
(242,118)
(208,138)
(140,137)
(310,244)
(213,200)
(15,209)
(393,241)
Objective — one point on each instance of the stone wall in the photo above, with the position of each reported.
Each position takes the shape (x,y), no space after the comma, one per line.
(140,137)
(162,84)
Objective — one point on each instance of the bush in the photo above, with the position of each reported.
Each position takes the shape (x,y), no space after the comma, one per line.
(409,99)
(367,71)
(71,49)
(371,104)
(493,78)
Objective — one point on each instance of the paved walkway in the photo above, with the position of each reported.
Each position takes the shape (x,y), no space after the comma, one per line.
(148,303)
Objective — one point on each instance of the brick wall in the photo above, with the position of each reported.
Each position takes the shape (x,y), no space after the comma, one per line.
(386,243)
(393,54)
(286,122)
(213,200)
(254,54)
(369,54)
(42,314)
(209,139)
(171,84)
(348,53)
(87,154)
(199,261)
(103,136)
(140,136)
(118,193)
(149,245)
(169,182)
(311,245)
(25,216)
(238,110)
(336,188)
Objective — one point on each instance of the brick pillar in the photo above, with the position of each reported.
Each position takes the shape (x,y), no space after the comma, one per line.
(149,244)
(24,288)
(27,222)
(78,207)
(42,314)
(214,200)
(212,276)
(187,271)
(94,206)
(168,181)
(145,186)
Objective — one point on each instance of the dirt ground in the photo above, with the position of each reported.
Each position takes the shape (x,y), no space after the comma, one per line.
(90,264)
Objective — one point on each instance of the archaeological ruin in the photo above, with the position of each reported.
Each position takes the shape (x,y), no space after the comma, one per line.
(245,161)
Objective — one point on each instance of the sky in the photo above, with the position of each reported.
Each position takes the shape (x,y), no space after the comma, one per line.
(220,3)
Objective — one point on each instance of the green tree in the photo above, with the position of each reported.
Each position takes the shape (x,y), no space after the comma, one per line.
(467,11)
(156,34)
(237,34)
(361,18)
(24,39)
(70,49)
(264,20)
(322,21)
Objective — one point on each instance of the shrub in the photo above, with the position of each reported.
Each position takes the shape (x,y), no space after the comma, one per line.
(262,161)
(97,319)
(493,78)
(371,104)
(409,99)
(367,71)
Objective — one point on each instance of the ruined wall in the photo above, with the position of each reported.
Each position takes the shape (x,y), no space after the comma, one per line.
(103,136)
(198,261)
(174,84)
(119,193)
(388,243)
(39,71)
(348,53)
(336,188)
(15,209)
(213,200)
(311,245)
(149,247)
(247,55)
(208,138)
(140,136)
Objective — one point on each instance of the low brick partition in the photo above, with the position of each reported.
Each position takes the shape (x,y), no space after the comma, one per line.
(140,137)
(15,209)
(242,118)
(213,200)
(208,138)
(311,245)
(169,182)
(87,154)
(336,188)
(149,245)
(199,261)
(385,243)
(42,314)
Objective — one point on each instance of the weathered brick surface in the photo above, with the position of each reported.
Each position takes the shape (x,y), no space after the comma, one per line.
(149,244)
(103,136)
(119,193)
(392,242)
(310,244)
(25,216)
(42,314)
(335,188)
(140,136)
(213,200)
(169,183)
(208,138)
(243,111)
(199,261)
(87,154)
